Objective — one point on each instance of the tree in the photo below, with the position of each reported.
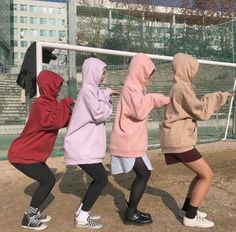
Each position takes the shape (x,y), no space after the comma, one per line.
(91,20)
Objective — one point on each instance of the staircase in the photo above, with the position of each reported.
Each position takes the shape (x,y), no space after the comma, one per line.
(12,111)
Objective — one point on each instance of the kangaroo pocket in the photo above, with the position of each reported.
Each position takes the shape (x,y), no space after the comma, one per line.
(179,134)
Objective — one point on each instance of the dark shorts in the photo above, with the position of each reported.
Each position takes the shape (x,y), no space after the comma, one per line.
(183,157)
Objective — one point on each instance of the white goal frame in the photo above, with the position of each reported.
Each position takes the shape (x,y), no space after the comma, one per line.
(39,65)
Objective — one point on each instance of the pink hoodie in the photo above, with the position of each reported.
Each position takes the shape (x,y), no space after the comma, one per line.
(85,141)
(129,136)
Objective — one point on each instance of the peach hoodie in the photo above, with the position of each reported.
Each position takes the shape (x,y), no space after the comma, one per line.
(179,129)
(129,133)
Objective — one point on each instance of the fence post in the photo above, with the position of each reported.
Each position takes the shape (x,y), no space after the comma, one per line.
(72,35)
(234,60)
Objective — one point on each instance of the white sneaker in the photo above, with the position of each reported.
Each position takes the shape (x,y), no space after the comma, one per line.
(90,224)
(182,213)
(198,222)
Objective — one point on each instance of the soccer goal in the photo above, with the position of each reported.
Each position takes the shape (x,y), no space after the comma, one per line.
(212,76)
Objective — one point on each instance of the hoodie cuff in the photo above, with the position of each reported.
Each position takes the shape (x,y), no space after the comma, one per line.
(69,101)
(107,92)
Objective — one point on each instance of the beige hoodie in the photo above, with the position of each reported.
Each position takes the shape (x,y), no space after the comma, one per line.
(179,128)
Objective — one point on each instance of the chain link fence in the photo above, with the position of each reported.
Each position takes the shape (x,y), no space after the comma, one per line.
(95,25)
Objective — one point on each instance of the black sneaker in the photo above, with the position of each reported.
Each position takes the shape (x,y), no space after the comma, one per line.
(32,222)
(136,218)
(43,217)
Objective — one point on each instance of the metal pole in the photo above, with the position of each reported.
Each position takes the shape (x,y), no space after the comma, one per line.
(123,53)
(72,35)
(230,111)
(234,59)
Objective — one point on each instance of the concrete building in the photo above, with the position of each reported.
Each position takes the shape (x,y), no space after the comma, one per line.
(36,21)
(5,33)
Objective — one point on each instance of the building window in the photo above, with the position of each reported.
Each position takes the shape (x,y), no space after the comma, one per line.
(43,21)
(33,8)
(52,33)
(33,32)
(61,11)
(33,20)
(24,44)
(23,19)
(43,33)
(23,7)
(43,9)
(13,7)
(52,21)
(51,10)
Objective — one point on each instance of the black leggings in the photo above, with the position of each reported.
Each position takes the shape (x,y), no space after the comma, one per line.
(41,173)
(99,175)
(139,184)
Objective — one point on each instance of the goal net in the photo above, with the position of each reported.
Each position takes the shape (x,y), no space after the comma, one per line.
(212,76)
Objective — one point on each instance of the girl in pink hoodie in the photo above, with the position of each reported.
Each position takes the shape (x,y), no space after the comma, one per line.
(129,137)
(85,141)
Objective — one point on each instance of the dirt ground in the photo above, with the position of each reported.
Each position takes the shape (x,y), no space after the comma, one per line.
(164,194)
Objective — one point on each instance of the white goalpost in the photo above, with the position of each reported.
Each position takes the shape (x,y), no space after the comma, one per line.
(39,66)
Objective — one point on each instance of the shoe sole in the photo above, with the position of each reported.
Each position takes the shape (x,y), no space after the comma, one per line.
(34,228)
(137,223)
(201,227)
(87,227)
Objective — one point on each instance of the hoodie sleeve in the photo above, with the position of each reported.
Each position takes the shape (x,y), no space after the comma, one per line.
(58,116)
(99,106)
(141,105)
(201,110)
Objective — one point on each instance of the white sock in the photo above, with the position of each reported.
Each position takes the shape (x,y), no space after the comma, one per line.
(83,215)
(78,210)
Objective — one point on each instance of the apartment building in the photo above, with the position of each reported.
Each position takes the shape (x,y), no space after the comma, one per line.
(5,32)
(36,21)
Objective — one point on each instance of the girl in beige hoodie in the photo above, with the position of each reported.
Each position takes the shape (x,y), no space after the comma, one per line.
(179,135)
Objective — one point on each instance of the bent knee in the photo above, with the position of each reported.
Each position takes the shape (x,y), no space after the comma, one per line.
(102,180)
(208,175)
(146,175)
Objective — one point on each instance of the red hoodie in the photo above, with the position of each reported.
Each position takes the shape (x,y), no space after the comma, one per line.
(47,116)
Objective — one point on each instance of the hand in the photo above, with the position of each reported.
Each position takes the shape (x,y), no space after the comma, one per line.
(114,93)
(231,94)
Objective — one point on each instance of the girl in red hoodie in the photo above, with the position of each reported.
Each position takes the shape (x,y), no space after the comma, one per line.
(29,152)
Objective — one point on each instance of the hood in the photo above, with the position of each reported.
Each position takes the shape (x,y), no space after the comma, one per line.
(185,68)
(49,84)
(140,69)
(92,70)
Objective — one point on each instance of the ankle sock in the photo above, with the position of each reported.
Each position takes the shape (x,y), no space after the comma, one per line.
(83,215)
(191,212)
(78,210)
(186,204)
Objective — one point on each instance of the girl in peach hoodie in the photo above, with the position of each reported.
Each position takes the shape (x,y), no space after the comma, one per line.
(179,135)
(129,137)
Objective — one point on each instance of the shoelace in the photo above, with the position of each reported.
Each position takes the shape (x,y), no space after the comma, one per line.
(33,220)
(40,215)
(200,218)
(91,214)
